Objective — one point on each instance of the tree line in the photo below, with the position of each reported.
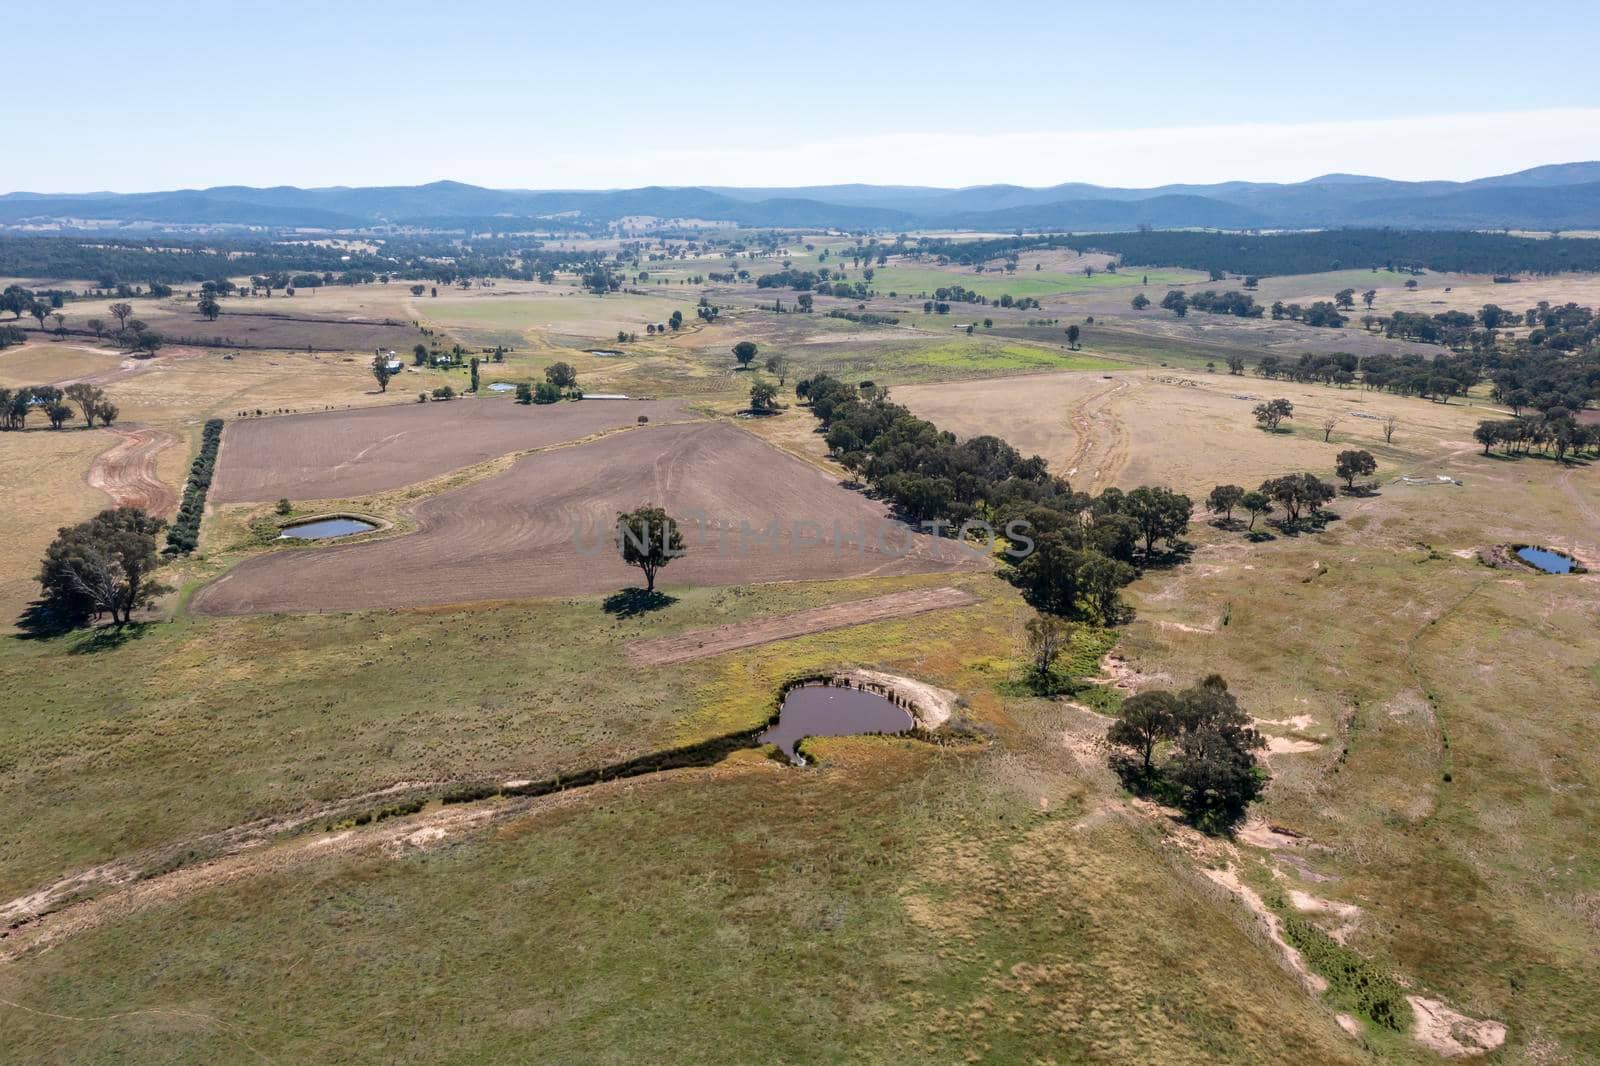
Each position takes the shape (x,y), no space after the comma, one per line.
(1447,251)
(1084,548)
(58,405)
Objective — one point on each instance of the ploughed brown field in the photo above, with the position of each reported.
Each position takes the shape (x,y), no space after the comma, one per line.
(534,530)
(324,456)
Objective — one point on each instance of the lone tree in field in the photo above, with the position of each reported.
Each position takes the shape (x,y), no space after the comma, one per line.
(1270,414)
(106,412)
(88,398)
(1073,333)
(1236,364)
(1140,302)
(1214,769)
(561,375)
(779,365)
(208,306)
(97,326)
(122,312)
(381,371)
(1390,424)
(103,566)
(1355,463)
(1212,773)
(763,397)
(1329,424)
(1047,635)
(745,352)
(649,538)
(1223,499)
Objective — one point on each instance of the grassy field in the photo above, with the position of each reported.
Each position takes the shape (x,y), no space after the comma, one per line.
(43,364)
(43,471)
(997,898)
(917,280)
(487,317)
(1190,431)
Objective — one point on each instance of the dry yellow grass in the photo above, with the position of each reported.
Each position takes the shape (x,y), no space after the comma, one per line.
(42,474)
(44,364)
(1143,427)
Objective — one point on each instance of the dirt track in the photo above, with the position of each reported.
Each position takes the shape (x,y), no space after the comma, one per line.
(701,643)
(535,530)
(340,454)
(127,470)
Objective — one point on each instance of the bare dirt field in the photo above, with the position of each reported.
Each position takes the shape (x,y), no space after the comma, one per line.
(340,454)
(287,323)
(1186,430)
(536,530)
(127,471)
(702,643)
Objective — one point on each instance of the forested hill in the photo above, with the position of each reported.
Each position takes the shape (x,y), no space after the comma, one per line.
(1559,197)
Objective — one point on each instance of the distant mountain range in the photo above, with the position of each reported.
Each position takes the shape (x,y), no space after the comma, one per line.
(1561,196)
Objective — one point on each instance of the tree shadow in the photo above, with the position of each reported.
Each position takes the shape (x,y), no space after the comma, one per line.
(1176,553)
(631,603)
(1226,524)
(1361,491)
(41,621)
(1258,536)
(109,638)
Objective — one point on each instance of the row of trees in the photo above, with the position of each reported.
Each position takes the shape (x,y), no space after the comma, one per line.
(1300,495)
(1083,548)
(159,263)
(58,405)
(1554,433)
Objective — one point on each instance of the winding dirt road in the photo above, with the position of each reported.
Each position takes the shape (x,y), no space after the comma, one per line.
(127,470)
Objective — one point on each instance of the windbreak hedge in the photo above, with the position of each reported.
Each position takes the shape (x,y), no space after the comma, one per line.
(184,533)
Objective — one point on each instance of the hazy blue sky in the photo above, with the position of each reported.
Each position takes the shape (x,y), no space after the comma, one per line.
(137,96)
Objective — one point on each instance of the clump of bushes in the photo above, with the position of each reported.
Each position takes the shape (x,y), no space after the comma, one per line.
(1352,979)
(184,533)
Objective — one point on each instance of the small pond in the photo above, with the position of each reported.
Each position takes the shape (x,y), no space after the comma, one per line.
(502,386)
(323,528)
(832,711)
(1551,562)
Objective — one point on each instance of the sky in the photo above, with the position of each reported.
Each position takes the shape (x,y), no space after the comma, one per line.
(164,95)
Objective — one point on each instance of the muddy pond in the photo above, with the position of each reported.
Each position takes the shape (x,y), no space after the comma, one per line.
(832,711)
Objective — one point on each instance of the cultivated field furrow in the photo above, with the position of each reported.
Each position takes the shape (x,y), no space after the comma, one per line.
(535,530)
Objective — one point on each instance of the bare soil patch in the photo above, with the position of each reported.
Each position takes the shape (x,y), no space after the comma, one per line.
(127,470)
(1450,1033)
(702,643)
(343,454)
(536,530)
